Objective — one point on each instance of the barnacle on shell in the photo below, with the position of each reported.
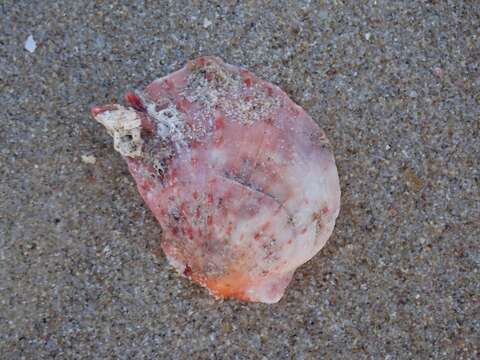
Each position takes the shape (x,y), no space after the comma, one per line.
(241,179)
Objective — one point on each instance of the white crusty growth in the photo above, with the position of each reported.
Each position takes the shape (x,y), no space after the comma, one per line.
(125,127)
(169,124)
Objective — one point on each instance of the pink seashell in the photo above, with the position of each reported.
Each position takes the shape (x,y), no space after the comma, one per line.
(241,179)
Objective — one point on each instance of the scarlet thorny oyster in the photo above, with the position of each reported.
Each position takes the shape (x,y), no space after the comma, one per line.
(241,179)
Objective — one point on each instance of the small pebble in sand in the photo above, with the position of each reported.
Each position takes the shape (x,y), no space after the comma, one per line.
(438,72)
(89,159)
(30,44)
(206,23)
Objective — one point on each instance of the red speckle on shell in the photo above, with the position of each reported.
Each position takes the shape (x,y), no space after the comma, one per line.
(134,101)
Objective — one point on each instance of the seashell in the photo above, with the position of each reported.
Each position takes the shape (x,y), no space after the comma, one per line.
(241,179)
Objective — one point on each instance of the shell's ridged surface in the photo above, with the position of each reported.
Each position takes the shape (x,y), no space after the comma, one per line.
(241,179)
